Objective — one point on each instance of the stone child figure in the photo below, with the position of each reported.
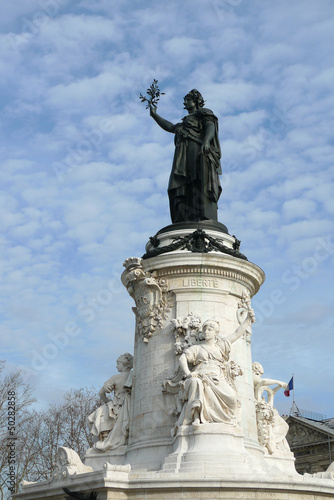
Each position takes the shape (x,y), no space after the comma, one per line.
(272,428)
(110,422)
(194,187)
(204,380)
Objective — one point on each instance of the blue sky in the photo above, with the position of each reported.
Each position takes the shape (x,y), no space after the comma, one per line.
(84,172)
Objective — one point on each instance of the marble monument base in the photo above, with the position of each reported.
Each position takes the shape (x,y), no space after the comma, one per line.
(113,483)
(191,274)
(208,449)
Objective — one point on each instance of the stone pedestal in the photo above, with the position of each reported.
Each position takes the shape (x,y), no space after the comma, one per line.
(208,450)
(184,274)
(207,285)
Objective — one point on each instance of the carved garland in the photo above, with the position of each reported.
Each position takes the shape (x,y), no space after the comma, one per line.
(244,307)
(265,419)
(197,242)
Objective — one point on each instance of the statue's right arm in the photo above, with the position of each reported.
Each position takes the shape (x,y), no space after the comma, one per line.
(107,387)
(164,124)
(184,365)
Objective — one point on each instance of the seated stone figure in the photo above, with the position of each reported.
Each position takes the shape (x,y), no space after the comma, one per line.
(110,422)
(204,382)
(272,428)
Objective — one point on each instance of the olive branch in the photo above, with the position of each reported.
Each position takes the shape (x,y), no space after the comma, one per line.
(154,95)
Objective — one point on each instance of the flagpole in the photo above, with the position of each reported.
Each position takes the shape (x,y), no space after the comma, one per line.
(293,389)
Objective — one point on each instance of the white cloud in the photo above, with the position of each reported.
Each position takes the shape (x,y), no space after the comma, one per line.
(265,70)
(299,208)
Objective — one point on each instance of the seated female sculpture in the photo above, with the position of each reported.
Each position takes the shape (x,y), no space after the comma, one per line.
(204,381)
(194,187)
(110,422)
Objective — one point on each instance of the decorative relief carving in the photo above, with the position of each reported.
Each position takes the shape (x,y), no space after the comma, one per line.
(271,427)
(244,306)
(265,420)
(68,464)
(236,243)
(187,331)
(151,295)
(300,434)
(197,242)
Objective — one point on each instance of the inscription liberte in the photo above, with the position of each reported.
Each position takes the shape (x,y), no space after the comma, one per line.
(204,282)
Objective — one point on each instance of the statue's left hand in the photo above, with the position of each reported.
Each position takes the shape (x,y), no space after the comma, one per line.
(205,149)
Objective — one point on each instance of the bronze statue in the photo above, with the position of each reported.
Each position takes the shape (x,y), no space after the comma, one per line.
(194,187)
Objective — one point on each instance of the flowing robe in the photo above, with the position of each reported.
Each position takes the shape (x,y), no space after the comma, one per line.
(208,391)
(113,416)
(194,187)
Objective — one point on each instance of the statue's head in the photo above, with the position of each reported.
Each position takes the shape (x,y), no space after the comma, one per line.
(257,368)
(196,97)
(125,362)
(209,326)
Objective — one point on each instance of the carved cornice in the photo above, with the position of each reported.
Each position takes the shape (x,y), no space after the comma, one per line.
(210,271)
(211,264)
(205,271)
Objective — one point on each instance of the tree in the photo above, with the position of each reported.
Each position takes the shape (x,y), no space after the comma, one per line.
(37,435)
(63,424)
(16,396)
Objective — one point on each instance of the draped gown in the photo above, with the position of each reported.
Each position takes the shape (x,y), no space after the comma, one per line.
(194,187)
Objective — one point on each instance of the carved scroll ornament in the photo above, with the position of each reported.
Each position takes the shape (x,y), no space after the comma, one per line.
(153,301)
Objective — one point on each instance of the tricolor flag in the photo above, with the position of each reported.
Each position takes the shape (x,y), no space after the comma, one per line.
(290,387)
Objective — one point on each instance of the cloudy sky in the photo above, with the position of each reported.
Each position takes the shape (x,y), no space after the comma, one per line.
(84,172)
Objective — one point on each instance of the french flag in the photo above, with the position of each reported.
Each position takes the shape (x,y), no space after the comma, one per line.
(290,387)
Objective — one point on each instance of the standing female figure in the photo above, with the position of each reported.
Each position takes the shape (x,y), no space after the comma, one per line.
(194,187)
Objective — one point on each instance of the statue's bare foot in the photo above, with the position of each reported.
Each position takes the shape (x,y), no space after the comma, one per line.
(196,422)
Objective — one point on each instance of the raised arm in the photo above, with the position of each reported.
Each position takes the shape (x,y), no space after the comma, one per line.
(164,124)
(250,318)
